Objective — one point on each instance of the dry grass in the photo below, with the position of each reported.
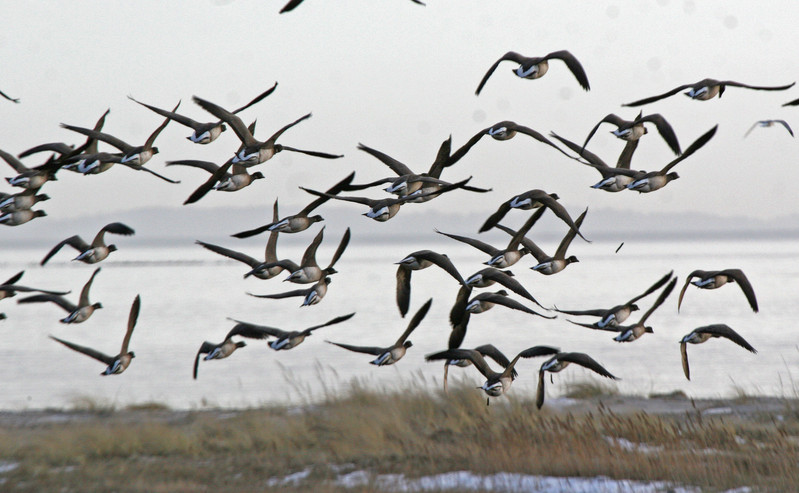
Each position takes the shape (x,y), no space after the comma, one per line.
(403,431)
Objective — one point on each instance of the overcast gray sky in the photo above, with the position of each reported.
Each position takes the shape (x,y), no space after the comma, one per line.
(400,77)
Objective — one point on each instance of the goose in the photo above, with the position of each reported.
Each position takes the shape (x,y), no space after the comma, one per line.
(497,383)
(645,182)
(98,250)
(384,209)
(531,199)
(22,200)
(291,339)
(300,221)
(227,347)
(512,253)
(31,177)
(132,156)
(258,268)
(504,130)
(634,129)
(535,67)
(769,123)
(611,181)
(391,354)
(407,182)
(76,313)
(16,218)
(419,260)
(559,362)
(551,265)
(485,350)
(612,317)
(227,178)
(703,334)
(255,151)
(204,133)
(119,363)
(714,279)
(706,89)
(309,271)
(311,295)
(630,333)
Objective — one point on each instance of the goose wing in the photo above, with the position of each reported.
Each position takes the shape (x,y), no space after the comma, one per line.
(659,301)
(92,353)
(361,349)
(586,361)
(742,281)
(397,167)
(132,318)
(574,65)
(415,321)
(229,253)
(511,56)
(84,293)
(253,331)
(660,282)
(58,300)
(698,143)
(236,123)
(206,348)
(335,321)
(666,94)
(723,330)
(114,228)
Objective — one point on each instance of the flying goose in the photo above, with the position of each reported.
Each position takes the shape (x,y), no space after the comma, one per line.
(98,250)
(391,354)
(300,221)
(551,265)
(384,209)
(290,339)
(255,151)
(629,333)
(311,295)
(512,253)
(485,350)
(612,317)
(204,133)
(419,260)
(645,182)
(635,129)
(531,199)
(504,130)
(706,89)
(713,279)
(16,218)
(258,268)
(559,362)
(703,334)
(611,181)
(132,156)
(535,67)
(76,313)
(20,201)
(769,123)
(227,178)
(119,363)
(31,177)
(309,271)
(228,346)
(497,383)
(407,182)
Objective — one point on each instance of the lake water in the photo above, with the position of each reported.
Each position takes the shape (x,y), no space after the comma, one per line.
(188,293)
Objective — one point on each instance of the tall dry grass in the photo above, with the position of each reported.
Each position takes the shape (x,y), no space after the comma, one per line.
(404,430)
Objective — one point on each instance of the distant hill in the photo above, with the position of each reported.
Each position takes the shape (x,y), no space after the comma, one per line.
(176,225)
